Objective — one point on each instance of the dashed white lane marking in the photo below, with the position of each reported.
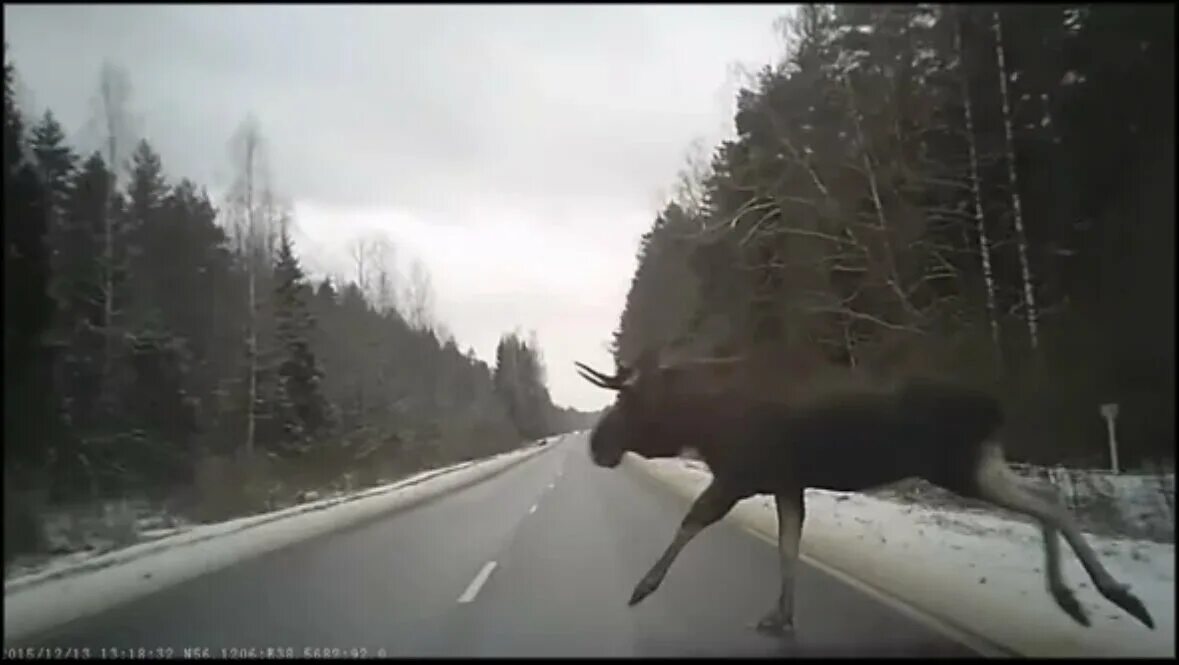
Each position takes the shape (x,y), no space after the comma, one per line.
(551,485)
(532,509)
(477,583)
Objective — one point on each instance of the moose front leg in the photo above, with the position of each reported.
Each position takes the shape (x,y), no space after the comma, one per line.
(712,504)
(791,513)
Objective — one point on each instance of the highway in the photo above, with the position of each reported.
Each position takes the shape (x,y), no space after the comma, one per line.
(537,561)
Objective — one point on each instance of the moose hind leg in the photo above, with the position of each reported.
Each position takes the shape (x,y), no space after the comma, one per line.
(1052,571)
(999,485)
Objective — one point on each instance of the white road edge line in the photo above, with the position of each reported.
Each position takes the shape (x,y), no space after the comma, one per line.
(983,645)
(477,583)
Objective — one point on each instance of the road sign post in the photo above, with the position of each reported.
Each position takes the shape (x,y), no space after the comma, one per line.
(1110,413)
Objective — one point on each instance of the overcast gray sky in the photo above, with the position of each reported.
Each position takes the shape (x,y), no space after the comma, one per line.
(519,151)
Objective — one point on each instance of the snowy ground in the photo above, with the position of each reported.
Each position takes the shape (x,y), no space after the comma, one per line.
(982,573)
(77,585)
(1138,506)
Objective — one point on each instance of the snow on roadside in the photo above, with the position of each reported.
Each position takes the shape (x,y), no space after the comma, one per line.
(156,540)
(1138,506)
(982,572)
(72,589)
(78,562)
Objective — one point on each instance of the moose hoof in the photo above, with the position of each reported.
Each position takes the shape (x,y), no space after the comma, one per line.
(1122,597)
(645,588)
(1071,606)
(773,624)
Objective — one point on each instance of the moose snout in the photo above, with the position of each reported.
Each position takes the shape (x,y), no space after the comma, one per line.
(607,459)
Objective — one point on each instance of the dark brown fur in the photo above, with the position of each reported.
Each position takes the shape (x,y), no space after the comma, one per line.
(935,430)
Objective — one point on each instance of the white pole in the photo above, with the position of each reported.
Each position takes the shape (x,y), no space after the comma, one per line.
(1110,413)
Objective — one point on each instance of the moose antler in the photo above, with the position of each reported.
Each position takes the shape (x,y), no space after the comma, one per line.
(601,380)
(648,361)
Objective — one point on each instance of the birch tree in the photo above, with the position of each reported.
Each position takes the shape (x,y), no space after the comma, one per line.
(1029,295)
(984,244)
(248,160)
(374,260)
(114,120)
(384,268)
(359,251)
(418,298)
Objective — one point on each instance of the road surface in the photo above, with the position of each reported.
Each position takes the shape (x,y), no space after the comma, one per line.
(538,561)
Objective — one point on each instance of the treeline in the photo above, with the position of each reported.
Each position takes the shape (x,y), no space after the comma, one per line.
(158,344)
(980,191)
(521,383)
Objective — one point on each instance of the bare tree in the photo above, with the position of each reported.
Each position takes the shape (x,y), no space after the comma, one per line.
(690,181)
(1029,295)
(984,245)
(374,257)
(418,298)
(883,225)
(382,272)
(247,156)
(274,216)
(112,115)
(359,250)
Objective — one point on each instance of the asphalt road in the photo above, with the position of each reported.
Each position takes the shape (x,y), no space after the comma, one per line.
(568,540)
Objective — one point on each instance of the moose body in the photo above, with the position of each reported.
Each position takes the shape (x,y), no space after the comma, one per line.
(767,447)
(943,433)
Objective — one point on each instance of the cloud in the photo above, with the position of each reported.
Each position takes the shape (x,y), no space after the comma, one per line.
(502,274)
(519,150)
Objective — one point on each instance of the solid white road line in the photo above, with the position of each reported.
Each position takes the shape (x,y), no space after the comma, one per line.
(477,583)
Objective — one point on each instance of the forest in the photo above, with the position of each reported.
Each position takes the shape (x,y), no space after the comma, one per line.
(978,191)
(166,344)
(983,192)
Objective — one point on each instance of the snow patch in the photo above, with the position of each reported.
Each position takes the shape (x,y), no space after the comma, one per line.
(1135,506)
(979,571)
(75,587)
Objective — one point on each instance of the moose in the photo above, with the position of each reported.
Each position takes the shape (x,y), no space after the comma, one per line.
(852,441)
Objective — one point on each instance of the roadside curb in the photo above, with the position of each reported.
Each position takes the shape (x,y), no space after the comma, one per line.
(140,550)
(62,597)
(744,519)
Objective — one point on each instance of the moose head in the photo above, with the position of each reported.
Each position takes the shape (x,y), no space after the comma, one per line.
(637,420)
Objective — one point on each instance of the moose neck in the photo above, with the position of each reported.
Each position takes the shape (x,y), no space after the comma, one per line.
(712,427)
